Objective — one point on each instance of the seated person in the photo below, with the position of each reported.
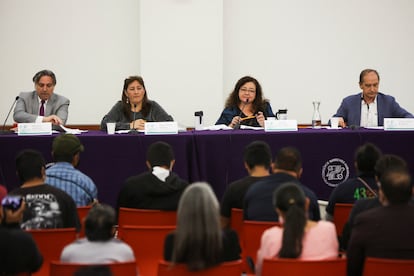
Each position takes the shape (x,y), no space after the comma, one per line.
(386,162)
(99,246)
(42,105)
(363,186)
(46,206)
(66,149)
(369,108)
(287,167)
(19,252)
(199,241)
(299,237)
(386,231)
(135,108)
(257,159)
(159,188)
(246,105)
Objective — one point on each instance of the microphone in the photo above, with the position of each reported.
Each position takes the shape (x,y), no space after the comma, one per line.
(133,130)
(237,126)
(3,130)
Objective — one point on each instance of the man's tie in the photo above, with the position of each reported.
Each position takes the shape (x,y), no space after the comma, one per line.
(42,109)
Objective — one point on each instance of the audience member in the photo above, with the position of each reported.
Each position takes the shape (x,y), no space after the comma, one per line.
(246,105)
(369,108)
(63,174)
(135,108)
(159,188)
(299,237)
(99,246)
(19,252)
(199,241)
(385,232)
(47,206)
(287,167)
(362,186)
(386,162)
(257,160)
(42,105)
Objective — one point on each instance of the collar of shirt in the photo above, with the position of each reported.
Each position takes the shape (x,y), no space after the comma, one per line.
(160,173)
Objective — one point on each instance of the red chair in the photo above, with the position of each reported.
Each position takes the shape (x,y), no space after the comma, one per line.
(82,213)
(379,266)
(252,234)
(144,217)
(341,215)
(296,267)
(225,269)
(147,243)
(236,221)
(51,243)
(68,269)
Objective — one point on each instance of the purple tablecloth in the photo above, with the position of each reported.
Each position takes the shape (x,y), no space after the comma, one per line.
(212,156)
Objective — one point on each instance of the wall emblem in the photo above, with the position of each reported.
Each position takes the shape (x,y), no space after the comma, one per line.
(335,171)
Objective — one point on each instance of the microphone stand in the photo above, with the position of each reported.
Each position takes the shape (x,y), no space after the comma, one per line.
(133,131)
(3,131)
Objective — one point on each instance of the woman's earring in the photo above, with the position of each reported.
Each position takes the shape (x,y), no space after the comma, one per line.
(127,101)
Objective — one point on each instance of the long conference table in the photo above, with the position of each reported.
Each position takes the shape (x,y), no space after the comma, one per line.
(212,156)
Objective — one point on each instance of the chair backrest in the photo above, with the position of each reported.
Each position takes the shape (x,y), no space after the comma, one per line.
(295,267)
(233,268)
(143,217)
(68,269)
(252,234)
(147,243)
(51,243)
(82,212)
(378,266)
(236,221)
(341,215)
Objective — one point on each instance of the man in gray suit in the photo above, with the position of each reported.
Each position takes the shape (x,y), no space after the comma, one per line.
(42,105)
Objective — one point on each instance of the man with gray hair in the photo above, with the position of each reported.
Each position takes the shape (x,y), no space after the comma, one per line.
(42,105)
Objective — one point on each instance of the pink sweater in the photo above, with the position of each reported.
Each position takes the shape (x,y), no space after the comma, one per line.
(319,242)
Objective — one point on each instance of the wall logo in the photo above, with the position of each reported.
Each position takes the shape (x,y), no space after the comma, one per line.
(335,171)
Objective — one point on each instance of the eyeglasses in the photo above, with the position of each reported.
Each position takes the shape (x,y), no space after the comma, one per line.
(245,90)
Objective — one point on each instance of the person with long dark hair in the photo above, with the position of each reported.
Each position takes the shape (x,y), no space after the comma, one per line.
(246,105)
(300,237)
(134,108)
(199,241)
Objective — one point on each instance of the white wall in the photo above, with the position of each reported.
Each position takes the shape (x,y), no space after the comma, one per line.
(302,50)
(90,45)
(191,52)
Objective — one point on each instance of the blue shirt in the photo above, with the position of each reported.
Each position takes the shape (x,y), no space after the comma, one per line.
(79,186)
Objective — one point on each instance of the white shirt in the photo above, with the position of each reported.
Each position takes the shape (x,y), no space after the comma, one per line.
(369,114)
(160,173)
(99,252)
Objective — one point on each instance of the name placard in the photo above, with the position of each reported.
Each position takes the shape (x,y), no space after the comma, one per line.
(398,123)
(161,128)
(281,125)
(34,129)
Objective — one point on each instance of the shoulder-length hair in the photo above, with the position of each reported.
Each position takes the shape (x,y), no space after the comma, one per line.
(126,107)
(259,103)
(198,237)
